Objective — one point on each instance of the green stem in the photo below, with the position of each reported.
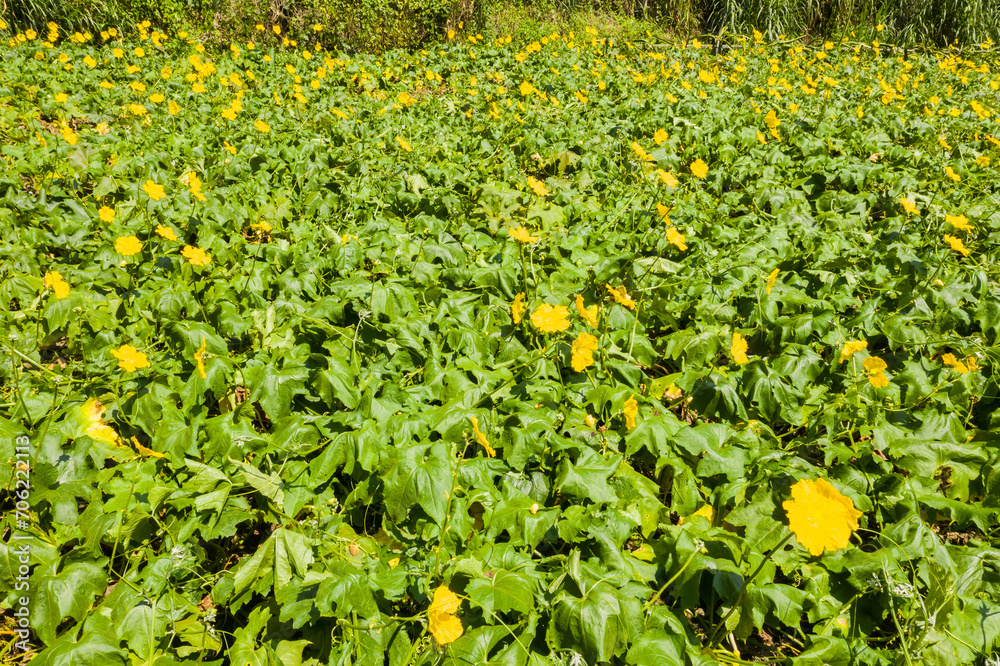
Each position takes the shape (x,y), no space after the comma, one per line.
(649,604)
(715,636)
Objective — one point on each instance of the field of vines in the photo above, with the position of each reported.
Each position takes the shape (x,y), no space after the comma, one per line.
(564,352)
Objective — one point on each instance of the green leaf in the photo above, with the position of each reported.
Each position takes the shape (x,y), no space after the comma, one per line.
(505,591)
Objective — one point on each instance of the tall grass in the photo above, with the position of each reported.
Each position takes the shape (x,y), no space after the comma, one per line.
(381,24)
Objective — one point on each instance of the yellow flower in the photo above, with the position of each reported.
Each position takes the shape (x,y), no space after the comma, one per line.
(166,232)
(948,171)
(198,88)
(982,161)
(739,349)
(199,357)
(630,410)
(129,358)
(641,152)
(526,88)
(172,108)
(583,352)
(61,97)
(621,296)
(660,136)
(944,144)
(876,371)
(521,235)
(771,120)
(706,76)
(820,517)
(481,438)
(669,179)
(550,318)
(441,620)
(196,256)
(589,314)
(231,149)
(538,187)
(262,126)
(517,308)
(699,168)
(851,348)
(676,238)
(770,280)
(663,212)
(404,144)
(128,245)
(276,29)
(59,286)
(95,428)
(957,245)
(154,191)
(909,206)
(958,221)
(954,364)
(195,184)
(106,214)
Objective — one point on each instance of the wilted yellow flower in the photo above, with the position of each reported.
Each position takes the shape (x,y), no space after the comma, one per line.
(517,308)
(738,350)
(441,620)
(195,184)
(621,296)
(521,235)
(106,214)
(589,314)
(641,152)
(676,238)
(129,358)
(820,517)
(550,318)
(908,206)
(583,351)
(199,357)
(59,286)
(154,191)
(196,256)
(699,168)
(538,187)
(669,179)
(128,245)
(851,348)
(630,410)
(958,221)
(954,364)
(770,280)
(957,245)
(876,371)
(660,136)
(481,438)
(166,232)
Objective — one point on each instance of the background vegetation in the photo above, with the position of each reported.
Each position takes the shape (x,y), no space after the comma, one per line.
(377,25)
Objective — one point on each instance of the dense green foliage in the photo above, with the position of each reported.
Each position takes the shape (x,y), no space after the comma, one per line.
(313,256)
